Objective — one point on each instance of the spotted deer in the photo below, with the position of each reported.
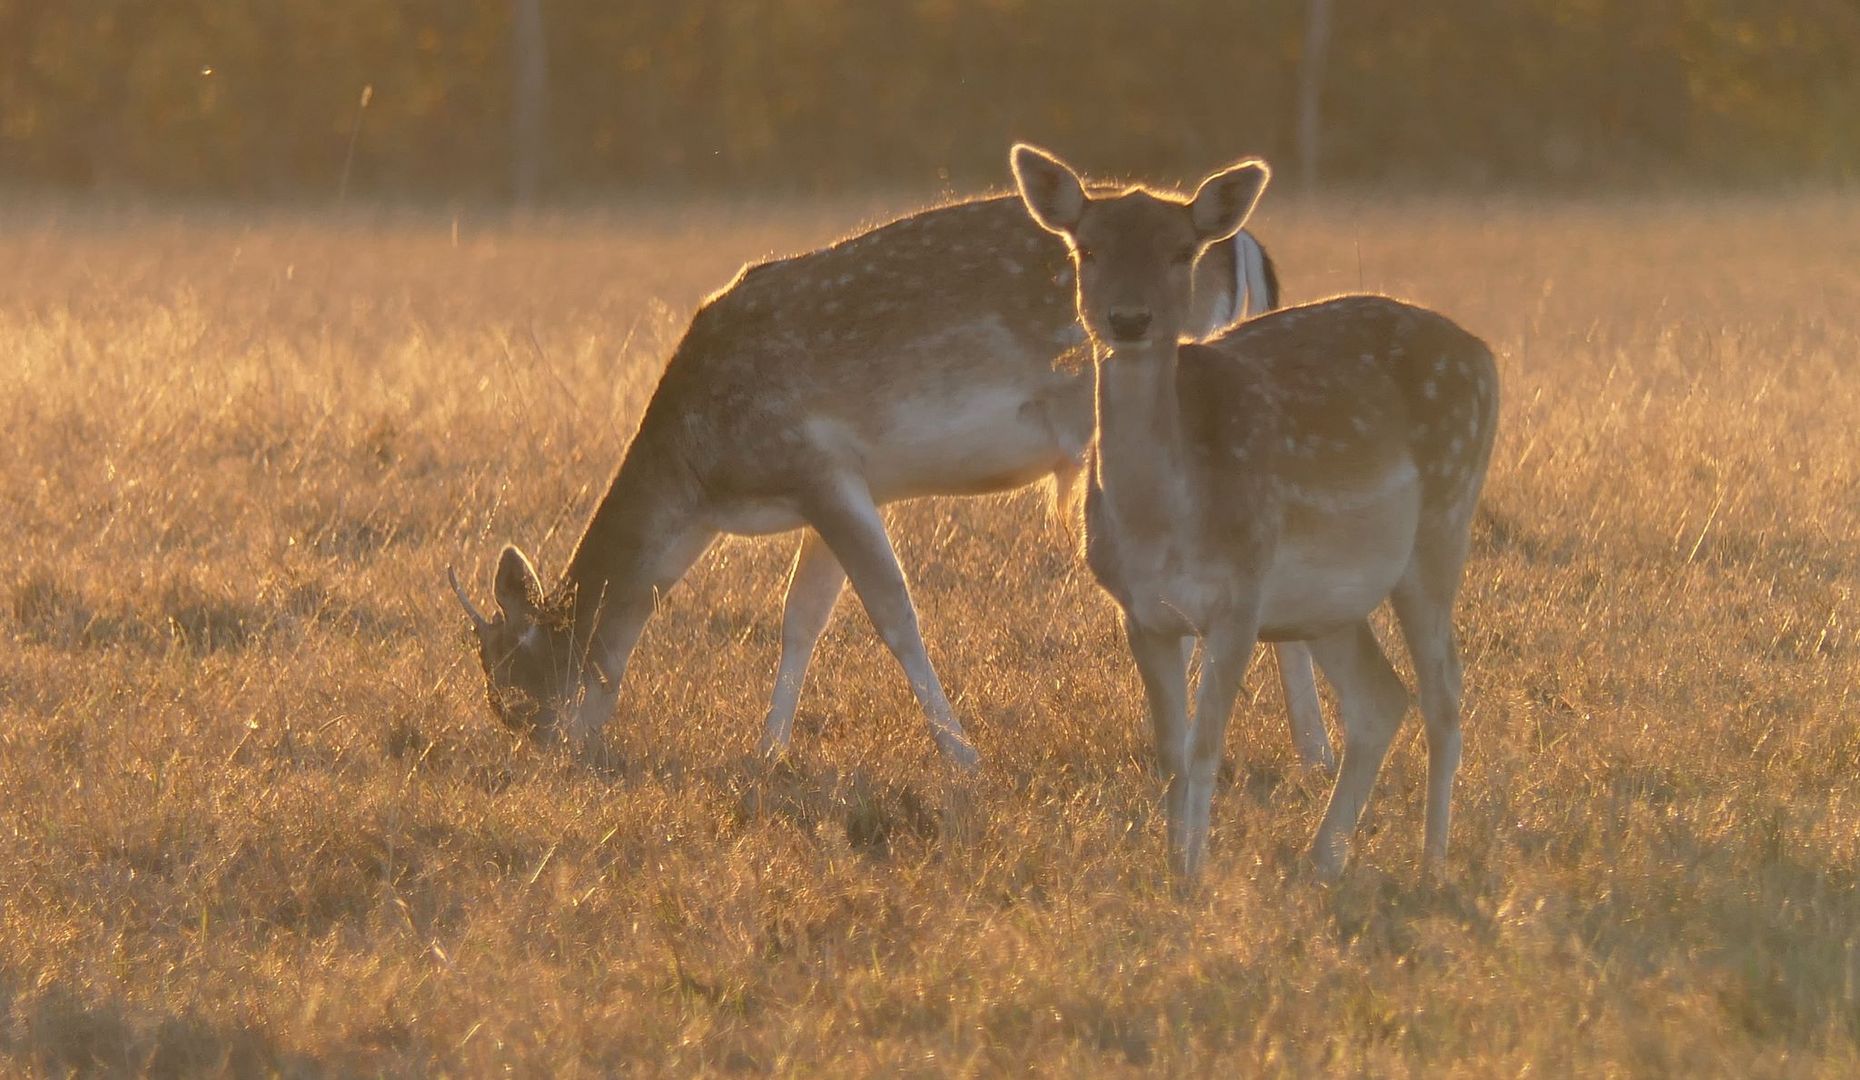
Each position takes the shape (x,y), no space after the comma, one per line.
(919,358)
(1275,483)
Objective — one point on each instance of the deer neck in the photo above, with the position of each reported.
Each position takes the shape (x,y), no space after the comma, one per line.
(1141,455)
(643,536)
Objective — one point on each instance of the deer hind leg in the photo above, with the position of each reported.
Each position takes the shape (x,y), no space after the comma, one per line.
(1067,495)
(1423,602)
(1303,713)
(1371,701)
(847,519)
(814,585)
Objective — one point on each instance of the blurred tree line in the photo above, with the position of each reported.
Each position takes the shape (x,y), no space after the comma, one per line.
(265,97)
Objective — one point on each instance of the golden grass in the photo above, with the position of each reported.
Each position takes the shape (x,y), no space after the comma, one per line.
(254,815)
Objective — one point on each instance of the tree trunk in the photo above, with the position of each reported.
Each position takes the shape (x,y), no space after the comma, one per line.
(1310,87)
(529,100)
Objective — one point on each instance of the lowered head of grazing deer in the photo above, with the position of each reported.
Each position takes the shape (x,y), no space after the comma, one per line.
(1136,250)
(531,667)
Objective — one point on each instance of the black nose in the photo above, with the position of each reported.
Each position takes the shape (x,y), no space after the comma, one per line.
(1129,325)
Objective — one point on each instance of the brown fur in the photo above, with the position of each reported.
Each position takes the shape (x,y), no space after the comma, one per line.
(1276,483)
(915,359)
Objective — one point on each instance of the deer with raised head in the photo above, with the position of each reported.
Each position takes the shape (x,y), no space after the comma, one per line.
(919,358)
(1275,483)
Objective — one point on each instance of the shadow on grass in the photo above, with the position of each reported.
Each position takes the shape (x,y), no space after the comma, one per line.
(47,610)
(875,814)
(55,1031)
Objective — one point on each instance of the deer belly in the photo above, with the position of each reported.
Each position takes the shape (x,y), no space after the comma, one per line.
(1339,558)
(976,442)
(756,517)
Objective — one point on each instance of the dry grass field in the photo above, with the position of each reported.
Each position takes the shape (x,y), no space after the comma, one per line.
(255,816)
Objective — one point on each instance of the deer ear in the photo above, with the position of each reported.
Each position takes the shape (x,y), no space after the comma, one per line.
(517,588)
(1225,200)
(1049,188)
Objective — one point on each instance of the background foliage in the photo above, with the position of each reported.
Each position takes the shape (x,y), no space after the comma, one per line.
(261,96)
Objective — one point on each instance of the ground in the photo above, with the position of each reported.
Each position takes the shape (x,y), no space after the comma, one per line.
(254,813)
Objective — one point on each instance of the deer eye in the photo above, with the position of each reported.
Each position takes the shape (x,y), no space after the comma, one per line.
(1085,254)
(1182,256)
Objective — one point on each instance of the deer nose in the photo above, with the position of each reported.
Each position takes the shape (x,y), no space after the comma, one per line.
(1129,325)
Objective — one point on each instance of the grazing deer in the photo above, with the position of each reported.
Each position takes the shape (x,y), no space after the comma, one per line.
(1275,483)
(916,359)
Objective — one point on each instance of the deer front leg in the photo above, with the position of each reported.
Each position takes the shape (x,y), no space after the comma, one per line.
(1224,657)
(842,511)
(1164,668)
(814,585)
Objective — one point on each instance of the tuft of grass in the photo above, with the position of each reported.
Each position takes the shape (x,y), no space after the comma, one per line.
(257,818)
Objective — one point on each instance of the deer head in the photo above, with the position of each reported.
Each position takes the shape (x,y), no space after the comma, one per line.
(534,674)
(1135,250)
